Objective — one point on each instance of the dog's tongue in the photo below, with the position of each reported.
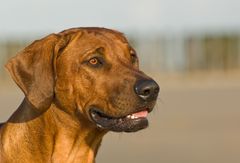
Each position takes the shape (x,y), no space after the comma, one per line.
(141,114)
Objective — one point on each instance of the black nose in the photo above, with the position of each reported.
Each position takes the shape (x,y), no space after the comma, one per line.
(147,89)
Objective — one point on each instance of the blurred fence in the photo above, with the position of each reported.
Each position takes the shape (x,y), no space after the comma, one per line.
(166,53)
(189,53)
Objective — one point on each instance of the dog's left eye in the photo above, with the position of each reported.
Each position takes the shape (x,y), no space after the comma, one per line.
(134,58)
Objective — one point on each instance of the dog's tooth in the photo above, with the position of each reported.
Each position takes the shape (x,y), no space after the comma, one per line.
(98,125)
(132,117)
(129,116)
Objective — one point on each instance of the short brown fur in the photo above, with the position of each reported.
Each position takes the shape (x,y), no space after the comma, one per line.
(52,124)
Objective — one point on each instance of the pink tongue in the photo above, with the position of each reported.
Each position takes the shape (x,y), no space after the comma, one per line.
(141,114)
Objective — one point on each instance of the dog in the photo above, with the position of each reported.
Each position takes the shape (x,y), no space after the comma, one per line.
(79,84)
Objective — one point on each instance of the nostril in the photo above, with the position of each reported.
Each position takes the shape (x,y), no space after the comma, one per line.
(146,89)
(146,92)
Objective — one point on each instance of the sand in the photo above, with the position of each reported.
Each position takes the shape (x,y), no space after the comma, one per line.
(195,124)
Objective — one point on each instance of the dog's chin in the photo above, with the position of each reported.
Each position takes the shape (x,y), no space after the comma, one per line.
(129,123)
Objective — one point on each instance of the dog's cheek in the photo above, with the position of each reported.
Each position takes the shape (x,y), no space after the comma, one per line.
(84,87)
(63,99)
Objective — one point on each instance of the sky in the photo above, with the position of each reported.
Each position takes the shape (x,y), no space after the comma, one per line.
(20,17)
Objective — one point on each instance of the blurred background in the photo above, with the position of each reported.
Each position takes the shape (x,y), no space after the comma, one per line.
(191,47)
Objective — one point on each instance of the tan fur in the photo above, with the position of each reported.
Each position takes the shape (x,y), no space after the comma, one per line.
(52,124)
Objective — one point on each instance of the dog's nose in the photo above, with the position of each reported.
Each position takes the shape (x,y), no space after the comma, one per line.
(147,90)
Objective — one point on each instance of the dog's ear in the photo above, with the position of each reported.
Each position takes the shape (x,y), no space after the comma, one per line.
(33,70)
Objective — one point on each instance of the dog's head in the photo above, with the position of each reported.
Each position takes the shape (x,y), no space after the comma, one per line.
(90,73)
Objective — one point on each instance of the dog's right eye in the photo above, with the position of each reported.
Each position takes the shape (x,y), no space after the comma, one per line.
(95,62)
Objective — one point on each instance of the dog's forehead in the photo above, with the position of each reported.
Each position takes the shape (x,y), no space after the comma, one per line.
(107,36)
(113,34)
(111,41)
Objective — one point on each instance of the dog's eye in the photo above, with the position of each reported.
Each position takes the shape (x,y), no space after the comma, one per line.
(133,55)
(95,62)
(134,58)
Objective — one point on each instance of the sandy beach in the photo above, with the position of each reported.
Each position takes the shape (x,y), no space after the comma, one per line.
(196,124)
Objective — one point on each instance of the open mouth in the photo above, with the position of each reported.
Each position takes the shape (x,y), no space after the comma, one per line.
(129,123)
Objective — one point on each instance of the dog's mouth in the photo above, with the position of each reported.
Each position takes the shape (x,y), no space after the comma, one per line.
(129,123)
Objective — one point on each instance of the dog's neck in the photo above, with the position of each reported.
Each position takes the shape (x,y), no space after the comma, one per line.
(77,140)
(54,134)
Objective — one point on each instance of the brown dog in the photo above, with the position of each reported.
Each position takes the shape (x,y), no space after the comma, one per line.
(79,84)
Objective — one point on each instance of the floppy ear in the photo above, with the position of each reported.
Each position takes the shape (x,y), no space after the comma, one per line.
(33,70)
